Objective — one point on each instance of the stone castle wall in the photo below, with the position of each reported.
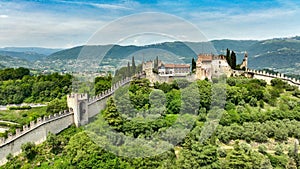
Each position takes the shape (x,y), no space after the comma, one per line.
(263,75)
(36,132)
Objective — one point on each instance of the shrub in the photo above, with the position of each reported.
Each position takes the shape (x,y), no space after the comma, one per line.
(19,107)
(262,149)
(29,150)
(278,150)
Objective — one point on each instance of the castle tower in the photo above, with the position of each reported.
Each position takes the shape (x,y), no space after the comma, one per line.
(245,61)
(77,104)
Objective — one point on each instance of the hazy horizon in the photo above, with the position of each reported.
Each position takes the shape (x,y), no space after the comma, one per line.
(62,48)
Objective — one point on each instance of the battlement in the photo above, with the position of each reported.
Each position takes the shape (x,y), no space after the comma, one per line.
(282,76)
(110,91)
(81,96)
(31,126)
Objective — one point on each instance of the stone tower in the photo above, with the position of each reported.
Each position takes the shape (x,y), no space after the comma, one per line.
(245,62)
(77,104)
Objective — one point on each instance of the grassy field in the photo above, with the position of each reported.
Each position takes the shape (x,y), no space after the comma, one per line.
(19,118)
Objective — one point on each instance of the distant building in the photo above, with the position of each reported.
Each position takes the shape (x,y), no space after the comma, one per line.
(174,69)
(244,64)
(209,65)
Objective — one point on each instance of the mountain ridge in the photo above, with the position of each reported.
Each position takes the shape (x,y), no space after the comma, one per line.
(280,54)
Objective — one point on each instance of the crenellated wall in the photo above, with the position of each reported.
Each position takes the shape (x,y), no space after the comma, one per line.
(257,74)
(85,107)
(98,103)
(81,108)
(36,132)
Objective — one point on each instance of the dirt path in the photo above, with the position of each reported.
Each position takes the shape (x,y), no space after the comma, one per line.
(4,107)
(9,122)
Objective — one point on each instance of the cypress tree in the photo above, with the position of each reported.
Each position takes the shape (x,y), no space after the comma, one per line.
(133,69)
(228,58)
(233,60)
(128,70)
(193,65)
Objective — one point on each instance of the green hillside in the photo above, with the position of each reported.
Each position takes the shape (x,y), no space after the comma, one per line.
(257,129)
(29,56)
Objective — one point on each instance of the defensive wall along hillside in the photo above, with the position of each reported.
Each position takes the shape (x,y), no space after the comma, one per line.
(263,75)
(81,108)
(36,132)
(85,107)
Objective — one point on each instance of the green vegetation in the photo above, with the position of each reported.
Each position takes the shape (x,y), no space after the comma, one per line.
(102,83)
(257,129)
(231,58)
(23,116)
(13,119)
(128,71)
(17,86)
(19,107)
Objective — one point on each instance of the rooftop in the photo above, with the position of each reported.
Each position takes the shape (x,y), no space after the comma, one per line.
(177,65)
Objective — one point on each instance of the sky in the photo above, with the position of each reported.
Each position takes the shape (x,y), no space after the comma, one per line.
(68,23)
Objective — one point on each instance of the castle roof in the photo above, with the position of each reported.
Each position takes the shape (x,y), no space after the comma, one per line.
(177,65)
(205,57)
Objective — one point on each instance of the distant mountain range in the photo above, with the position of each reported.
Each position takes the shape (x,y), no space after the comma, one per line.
(280,54)
(27,53)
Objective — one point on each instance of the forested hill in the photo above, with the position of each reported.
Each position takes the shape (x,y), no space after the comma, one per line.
(257,129)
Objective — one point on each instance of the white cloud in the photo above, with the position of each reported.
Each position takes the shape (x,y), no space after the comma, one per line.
(3,16)
(40,29)
(118,6)
(109,6)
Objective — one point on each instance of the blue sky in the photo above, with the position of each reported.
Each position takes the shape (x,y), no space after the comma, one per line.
(67,23)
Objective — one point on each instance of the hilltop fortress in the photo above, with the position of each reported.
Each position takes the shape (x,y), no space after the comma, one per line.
(208,66)
(82,107)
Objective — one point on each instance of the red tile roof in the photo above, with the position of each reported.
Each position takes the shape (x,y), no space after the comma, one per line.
(177,65)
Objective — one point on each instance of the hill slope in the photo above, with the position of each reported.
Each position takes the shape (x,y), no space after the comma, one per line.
(43,51)
(279,54)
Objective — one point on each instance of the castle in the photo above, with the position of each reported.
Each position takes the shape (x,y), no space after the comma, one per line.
(207,67)
(82,107)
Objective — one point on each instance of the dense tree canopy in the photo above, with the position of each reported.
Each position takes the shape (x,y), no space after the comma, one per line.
(257,129)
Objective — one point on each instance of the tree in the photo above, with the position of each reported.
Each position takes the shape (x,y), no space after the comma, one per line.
(233,60)
(128,70)
(228,58)
(278,150)
(291,164)
(199,156)
(133,69)
(53,142)
(238,158)
(193,65)
(82,152)
(102,83)
(266,164)
(29,150)
(57,105)
(262,149)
